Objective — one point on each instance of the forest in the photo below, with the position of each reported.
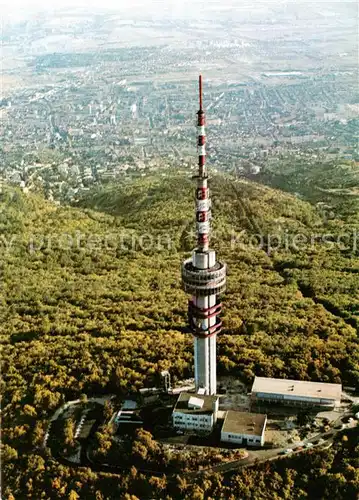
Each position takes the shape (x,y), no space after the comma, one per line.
(91,304)
(333,183)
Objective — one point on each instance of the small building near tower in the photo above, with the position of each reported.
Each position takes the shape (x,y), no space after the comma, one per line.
(246,429)
(195,412)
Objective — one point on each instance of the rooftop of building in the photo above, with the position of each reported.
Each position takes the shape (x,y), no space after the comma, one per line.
(297,388)
(238,422)
(129,404)
(206,407)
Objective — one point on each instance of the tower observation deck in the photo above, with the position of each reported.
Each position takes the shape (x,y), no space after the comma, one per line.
(203,276)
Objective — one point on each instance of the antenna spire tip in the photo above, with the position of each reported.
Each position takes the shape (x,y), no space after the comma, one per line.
(200,92)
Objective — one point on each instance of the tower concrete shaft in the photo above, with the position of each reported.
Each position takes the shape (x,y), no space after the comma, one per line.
(204,277)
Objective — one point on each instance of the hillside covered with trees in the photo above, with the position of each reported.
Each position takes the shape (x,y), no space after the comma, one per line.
(333,183)
(91,303)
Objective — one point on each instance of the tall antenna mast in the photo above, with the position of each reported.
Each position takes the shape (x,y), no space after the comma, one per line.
(203,209)
(203,277)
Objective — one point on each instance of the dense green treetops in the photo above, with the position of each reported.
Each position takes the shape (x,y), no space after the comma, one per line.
(91,302)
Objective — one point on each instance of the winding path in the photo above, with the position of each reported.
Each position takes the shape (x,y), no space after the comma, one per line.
(254,457)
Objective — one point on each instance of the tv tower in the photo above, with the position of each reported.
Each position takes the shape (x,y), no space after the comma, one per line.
(204,277)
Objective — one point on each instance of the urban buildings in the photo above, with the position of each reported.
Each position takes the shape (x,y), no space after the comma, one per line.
(120,109)
(295,392)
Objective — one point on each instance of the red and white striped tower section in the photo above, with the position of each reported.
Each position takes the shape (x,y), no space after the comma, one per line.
(203,277)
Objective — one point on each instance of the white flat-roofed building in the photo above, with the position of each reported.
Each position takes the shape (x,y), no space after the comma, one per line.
(243,428)
(195,412)
(295,392)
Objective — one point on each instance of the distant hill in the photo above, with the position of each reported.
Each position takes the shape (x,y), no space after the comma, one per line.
(281,303)
(92,303)
(333,183)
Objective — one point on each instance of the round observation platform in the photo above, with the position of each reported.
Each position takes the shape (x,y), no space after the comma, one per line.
(203,282)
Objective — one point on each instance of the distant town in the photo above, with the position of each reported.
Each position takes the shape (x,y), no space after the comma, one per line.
(102,107)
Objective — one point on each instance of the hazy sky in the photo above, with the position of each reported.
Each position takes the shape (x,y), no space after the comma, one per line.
(188,7)
(18,5)
(12,10)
